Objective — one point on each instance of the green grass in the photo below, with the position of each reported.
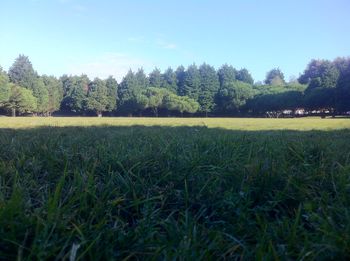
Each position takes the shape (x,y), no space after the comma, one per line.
(225,123)
(186,189)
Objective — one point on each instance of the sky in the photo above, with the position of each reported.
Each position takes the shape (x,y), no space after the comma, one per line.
(102,38)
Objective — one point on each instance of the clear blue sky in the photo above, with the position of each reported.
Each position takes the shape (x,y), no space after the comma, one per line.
(101,37)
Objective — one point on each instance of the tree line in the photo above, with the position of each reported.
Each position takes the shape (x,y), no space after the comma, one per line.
(324,86)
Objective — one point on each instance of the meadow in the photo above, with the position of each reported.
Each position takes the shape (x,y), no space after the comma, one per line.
(174,188)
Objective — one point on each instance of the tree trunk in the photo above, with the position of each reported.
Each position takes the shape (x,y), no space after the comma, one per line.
(99,114)
(13,112)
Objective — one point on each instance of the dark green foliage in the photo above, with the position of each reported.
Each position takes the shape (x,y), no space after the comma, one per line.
(343,88)
(320,74)
(172,193)
(209,86)
(275,77)
(22,73)
(21,100)
(130,89)
(55,93)
(97,97)
(322,77)
(4,87)
(217,92)
(192,83)
(226,74)
(112,93)
(77,89)
(41,92)
(233,96)
(288,100)
(169,80)
(155,78)
(180,80)
(243,75)
(271,98)
(319,98)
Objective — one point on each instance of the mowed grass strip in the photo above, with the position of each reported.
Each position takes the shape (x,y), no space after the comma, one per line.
(188,189)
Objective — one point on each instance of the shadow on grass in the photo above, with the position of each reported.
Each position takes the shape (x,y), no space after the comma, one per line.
(173,193)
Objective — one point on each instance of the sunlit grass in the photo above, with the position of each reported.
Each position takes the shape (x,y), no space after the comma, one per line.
(174,189)
(225,123)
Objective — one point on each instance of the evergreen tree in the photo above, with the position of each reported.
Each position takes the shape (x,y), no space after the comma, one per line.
(169,80)
(155,78)
(130,89)
(22,73)
(112,93)
(209,85)
(97,98)
(192,80)
(343,87)
(180,80)
(76,94)
(243,75)
(226,74)
(4,88)
(142,81)
(55,93)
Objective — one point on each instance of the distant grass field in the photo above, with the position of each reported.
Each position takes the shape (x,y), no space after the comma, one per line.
(251,124)
(170,188)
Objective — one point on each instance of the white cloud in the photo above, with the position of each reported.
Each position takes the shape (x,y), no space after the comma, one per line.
(115,64)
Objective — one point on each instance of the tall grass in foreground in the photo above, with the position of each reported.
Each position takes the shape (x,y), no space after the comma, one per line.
(187,193)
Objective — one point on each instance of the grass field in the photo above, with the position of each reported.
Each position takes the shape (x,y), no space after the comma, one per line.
(244,124)
(169,188)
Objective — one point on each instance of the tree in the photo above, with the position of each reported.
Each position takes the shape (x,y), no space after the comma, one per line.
(97,97)
(41,92)
(155,98)
(181,104)
(169,80)
(142,82)
(21,100)
(55,93)
(320,74)
(243,75)
(130,89)
(343,87)
(112,93)
(155,78)
(76,94)
(191,82)
(180,80)
(320,99)
(226,74)
(233,96)
(321,77)
(22,73)
(275,77)
(209,85)
(274,99)
(4,88)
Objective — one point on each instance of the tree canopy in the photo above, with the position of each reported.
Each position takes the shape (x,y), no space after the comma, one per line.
(324,86)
